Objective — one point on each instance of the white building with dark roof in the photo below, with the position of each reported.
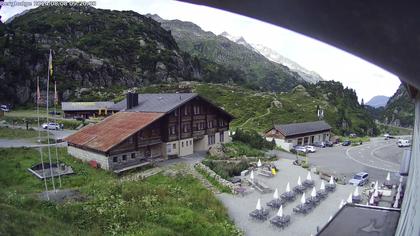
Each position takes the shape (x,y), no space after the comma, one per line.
(289,135)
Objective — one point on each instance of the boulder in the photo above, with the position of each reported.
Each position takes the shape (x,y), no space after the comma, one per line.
(217,150)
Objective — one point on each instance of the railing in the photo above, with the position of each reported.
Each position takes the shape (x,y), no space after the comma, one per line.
(149,141)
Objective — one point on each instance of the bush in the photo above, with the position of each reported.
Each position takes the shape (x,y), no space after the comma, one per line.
(226,169)
(252,138)
(237,149)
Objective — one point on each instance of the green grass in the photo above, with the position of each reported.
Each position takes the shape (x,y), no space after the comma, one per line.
(160,205)
(237,149)
(9,133)
(213,181)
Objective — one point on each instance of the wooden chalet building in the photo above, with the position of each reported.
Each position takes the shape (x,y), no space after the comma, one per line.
(288,135)
(87,110)
(150,127)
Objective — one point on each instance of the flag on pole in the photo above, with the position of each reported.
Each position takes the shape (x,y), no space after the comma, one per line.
(50,66)
(55,93)
(38,92)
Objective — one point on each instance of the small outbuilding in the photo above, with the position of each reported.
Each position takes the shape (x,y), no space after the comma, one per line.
(289,135)
(86,110)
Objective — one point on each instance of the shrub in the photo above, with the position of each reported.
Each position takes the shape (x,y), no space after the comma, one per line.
(226,169)
(252,138)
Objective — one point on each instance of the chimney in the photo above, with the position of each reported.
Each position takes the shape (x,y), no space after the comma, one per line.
(135,99)
(132,100)
(129,100)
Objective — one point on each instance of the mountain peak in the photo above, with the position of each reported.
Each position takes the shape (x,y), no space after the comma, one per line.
(378,101)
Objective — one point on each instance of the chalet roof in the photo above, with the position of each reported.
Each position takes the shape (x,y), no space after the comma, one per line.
(86,106)
(112,130)
(157,102)
(302,128)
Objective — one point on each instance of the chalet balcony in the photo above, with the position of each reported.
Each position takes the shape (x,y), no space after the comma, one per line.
(186,118)
(172,138)
(149,141)
(186,135)
(199,133)
(199,117)
(222,129)
(211,131)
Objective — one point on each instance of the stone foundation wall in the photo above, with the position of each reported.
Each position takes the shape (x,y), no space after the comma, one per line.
(217,177)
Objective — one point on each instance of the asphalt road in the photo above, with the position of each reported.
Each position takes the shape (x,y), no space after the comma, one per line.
(377,157)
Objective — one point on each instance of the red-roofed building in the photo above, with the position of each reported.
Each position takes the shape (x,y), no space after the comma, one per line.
(164,125)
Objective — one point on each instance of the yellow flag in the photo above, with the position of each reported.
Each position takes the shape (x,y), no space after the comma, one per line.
(50,66)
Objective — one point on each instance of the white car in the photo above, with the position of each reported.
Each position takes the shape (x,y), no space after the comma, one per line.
(4,108)
(300,149)
(310,148)
(403,143)
(51,126)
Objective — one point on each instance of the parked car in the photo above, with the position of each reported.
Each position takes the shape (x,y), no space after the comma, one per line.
(4,108)
(353,135)
(54,113)
(346,143)
(403,143)
(300,149)
(329,143)
(310,148)
(54,126)
(319,144)
(359,179)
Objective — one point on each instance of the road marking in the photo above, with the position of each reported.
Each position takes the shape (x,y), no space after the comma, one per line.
(372,153)
(365,164)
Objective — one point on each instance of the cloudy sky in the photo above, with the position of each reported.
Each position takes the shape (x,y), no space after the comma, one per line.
(331,63)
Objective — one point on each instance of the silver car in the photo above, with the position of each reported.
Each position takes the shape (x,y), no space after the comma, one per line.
(359,179)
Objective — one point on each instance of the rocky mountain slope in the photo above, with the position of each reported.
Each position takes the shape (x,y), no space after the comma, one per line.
(378,101)
(399,110)
(272,55)
(91,48)
(258,71)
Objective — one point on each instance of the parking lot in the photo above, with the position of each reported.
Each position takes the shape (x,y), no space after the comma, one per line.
(377,157)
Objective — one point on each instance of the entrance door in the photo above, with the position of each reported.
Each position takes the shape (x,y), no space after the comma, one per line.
(147,152)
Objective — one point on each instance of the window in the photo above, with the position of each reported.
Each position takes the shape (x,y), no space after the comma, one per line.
(289,141)
(175,113)
(172,130)
(186,128)
(182,144)
(305,140)
(186,143)
(190,142)
(115,159)
(299,141)
(211,139)
(210,124)
(222,137)
(174,146)
(133,155)
(124,157)
(196,109)
(186,110)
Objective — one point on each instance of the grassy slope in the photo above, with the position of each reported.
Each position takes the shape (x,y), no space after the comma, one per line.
(159,205)
(8,133)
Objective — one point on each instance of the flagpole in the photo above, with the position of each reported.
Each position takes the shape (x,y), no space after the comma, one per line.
(38,97)
(48,133)
(55,121)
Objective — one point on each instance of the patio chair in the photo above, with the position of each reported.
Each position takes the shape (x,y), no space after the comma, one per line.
(308,183)
(276,203)
(280,221)
(321,194)
(299,189)
(259,214)
(288,196)
(330,187)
